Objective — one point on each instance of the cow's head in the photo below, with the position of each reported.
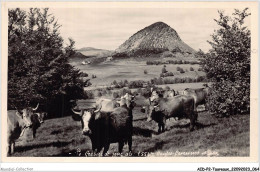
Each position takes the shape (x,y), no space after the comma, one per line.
(27,114)
(41,116)
(128,100)
(86,116)
(151,110)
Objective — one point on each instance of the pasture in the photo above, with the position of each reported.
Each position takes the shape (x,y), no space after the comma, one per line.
(213,136)
(62,137)
(131,70)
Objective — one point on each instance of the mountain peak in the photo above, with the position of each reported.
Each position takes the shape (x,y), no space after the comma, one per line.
(159,24)
(155,38)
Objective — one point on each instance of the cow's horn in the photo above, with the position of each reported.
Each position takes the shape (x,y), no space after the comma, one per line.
(156,106)
(98,109)
(78,113)
(34,109)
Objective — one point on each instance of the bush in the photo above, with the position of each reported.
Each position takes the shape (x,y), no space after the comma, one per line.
(227,65)
(164,69)
(182,71)
(145,71)
(89,95)
(200,69)
(115,95)
(136,84)
(178,68)
(191,69)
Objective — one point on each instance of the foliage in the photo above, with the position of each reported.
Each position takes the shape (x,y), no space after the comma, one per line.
(163,81)
(191,69)
(145,71)
(38,68)
(156,62)
(228,65)
(164,69)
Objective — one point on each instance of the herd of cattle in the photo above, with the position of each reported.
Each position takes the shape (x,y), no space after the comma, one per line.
(111,120)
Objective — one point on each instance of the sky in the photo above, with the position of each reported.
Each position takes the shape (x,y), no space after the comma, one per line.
(107,28)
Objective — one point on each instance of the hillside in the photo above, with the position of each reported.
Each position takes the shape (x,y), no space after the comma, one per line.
(94,52)
(154,39)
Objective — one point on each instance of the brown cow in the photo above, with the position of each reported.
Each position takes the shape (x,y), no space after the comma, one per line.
(17,122)
(199,95)
(180,106)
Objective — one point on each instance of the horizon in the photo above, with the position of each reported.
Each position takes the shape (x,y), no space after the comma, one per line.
(104,28)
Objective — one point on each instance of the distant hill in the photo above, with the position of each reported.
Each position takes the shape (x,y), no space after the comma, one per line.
(157,38)
(78,55)
(94,52)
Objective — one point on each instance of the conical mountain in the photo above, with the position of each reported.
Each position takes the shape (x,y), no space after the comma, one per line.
(154,39)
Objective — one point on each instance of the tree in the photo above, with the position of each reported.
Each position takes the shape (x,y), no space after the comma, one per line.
(164,69)
(227,65)
(38,68)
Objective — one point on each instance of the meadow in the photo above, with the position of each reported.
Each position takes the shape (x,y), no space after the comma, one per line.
(62,137)
(212,137)
(131,70)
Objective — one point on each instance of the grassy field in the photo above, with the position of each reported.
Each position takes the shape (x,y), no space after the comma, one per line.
(131,70)
(212,137)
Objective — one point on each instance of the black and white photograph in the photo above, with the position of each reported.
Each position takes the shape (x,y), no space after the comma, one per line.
(121,80)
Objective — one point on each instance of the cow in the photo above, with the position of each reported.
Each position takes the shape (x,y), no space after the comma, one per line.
(199,94)
(37,120)
(104,128)
(107,104)
(17,122)
(180,106)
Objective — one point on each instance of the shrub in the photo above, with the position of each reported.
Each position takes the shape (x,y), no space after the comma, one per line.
(89,95)
(136,84)
(191,69)
(178,68)
(115,95)
(145,71)
(227,65)
(182,71)
(164,69)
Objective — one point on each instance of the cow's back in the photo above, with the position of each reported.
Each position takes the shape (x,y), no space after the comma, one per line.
(177,106)
(107,105)
(199,94)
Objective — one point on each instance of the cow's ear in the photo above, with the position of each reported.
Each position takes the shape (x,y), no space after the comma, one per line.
(19,113)
(76,116)
(97,116)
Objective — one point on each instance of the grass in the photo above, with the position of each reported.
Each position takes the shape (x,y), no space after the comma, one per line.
(131,70)
(212,137)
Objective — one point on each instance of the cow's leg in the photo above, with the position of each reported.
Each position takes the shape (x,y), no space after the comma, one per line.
(34,133)
(130,143)
(9,150)
(106,147)
(12,147)
(159,127)
(192,121)
(163,127)
(163,124)
(196,116)
(120,146)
